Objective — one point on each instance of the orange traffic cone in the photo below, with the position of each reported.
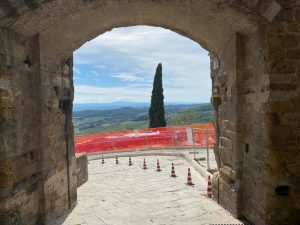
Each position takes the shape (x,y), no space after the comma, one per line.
(144,165)
(173,174)
(102,160)
(189,178)
(158,166)
(209,187)
(130,163)
(117,161)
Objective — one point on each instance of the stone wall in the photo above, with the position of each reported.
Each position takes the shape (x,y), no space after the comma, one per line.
(282,168)
(226,97)
(256,97)
(21,174)
(35,172)
(239,94)
(58,156)
(82,169)
(255,60)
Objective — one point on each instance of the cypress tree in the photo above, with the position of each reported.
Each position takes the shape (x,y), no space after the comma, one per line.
(157,110)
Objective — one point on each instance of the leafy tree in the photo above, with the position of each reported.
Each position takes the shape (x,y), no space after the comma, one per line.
(186,117)
(157,110)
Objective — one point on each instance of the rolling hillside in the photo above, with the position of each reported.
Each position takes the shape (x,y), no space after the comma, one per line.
(96,121)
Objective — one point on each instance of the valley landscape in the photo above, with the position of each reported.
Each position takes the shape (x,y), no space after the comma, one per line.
(128,116)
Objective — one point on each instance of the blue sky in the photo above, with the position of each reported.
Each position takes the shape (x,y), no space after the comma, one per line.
(119,65)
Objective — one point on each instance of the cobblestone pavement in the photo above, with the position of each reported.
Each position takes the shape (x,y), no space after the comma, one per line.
(128,195)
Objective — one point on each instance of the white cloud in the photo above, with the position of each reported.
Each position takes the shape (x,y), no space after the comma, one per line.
(142,84)
(95,73)
(137,50)
(99,66)
(127,77)
(92,94)
(76,70)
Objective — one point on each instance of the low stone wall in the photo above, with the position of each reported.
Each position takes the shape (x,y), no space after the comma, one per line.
(82,169)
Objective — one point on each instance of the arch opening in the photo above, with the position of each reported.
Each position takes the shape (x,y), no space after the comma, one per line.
(105,59)
(254,74)
(116,70)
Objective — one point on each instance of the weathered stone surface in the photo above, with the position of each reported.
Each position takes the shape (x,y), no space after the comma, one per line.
(254,47)
(127,198)
(82,169)
(272,11)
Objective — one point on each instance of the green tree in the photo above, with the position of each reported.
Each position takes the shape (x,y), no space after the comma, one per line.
(186,117)
(157,110)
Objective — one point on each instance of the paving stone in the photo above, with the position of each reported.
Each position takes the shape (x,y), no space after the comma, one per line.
(119,194)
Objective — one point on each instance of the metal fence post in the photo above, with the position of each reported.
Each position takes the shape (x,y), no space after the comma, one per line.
(147,139)
(138,136)
(207,151)
(193,142)
(172,139)
(112,143)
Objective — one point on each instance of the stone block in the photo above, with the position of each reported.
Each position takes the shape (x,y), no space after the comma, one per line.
(215,186)
(275,216)
(283,87)
(9,176)
(293,54)
(226,143)
(61,165)
(291,105)
(293,28)
(254,212)
(6,103)
(229,126)
(290,119)
(281,164)
(4,93)
(279,65)
(5,74)
(82,169)
(226,156)
(228,196)
(272,11)
(73,195)
(227,173)
(297,14)
(288,41)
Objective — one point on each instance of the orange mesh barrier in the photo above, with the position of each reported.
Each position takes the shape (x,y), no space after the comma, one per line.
(153,138)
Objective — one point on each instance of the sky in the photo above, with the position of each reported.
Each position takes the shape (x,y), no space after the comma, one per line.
(119,66)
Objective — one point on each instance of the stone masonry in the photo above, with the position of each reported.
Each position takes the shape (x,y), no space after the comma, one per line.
(254,47)
(82,169)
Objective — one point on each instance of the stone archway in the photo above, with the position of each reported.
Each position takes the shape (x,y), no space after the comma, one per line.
(254,48)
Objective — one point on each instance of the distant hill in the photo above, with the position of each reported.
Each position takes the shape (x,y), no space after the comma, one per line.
(117,105)
(124,118)
(104,106)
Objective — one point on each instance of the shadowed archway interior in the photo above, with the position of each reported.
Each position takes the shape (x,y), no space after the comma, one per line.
(254,49)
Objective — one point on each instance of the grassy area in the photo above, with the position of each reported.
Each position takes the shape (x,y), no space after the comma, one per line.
(97,121)
(127,125)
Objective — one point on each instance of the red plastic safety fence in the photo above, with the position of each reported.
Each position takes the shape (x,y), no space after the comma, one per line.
(154,138)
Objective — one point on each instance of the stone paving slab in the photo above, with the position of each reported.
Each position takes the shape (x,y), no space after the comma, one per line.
(128,195)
